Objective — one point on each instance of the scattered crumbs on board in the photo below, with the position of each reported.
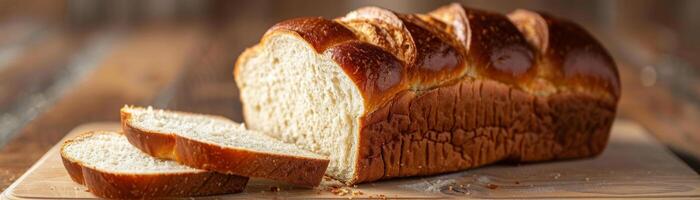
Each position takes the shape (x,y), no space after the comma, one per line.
(344,191)
(378,196)
(340,191)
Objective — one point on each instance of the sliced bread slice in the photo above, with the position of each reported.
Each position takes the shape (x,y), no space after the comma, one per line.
(219,144)
(110,167)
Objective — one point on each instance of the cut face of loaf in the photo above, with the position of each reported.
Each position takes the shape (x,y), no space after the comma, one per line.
(384,94)
(219,144)
(112,168)
(304,98)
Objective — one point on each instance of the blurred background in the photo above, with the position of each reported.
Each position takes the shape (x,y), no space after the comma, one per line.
(69,62)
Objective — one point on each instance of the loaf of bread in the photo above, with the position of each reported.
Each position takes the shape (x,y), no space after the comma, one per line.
(219,144)
(386,95)
(110,167)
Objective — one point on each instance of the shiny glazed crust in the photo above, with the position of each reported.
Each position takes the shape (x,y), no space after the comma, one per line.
(127,186)
(201,155)
(458,88)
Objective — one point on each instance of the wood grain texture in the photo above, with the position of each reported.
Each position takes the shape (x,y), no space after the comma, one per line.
(634,166)
(27,78)
(134,72)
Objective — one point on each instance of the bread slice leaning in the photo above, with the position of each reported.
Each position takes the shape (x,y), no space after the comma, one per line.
(219,144)
(110,167)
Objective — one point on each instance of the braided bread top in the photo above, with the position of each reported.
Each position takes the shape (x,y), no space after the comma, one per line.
(385,52)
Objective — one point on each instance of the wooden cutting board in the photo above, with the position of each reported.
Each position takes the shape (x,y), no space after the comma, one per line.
(634,165)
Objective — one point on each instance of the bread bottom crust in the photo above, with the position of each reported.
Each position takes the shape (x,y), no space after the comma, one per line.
(477,122)
(129,186)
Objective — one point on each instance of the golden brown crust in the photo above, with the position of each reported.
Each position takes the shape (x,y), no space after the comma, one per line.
(128,186)
(570,56)
(455,23)
(437,58)
(562,84)
(358,59)
(383,28)
(498,51)
(581,58)
(533,27)
(319,32)
(202,155)
(477,122)
(453,42)
(291,169)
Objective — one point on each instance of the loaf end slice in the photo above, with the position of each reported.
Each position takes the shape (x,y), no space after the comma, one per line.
(110,167)
(218,144)
(295,91)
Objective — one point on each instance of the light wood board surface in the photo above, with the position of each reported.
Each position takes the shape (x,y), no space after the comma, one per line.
(634,165)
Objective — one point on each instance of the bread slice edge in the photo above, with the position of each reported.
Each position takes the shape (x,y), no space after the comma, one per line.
(109,184)
(304,171)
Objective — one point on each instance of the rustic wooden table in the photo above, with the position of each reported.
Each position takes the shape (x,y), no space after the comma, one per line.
(55,76)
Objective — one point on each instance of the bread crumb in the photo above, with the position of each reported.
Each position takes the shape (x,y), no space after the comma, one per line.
(343,191)
(588,179)
(379,196)
(274,189)
(491,186)
(340,191)
(357,193)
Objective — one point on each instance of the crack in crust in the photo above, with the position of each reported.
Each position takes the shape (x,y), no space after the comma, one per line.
(382,28)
